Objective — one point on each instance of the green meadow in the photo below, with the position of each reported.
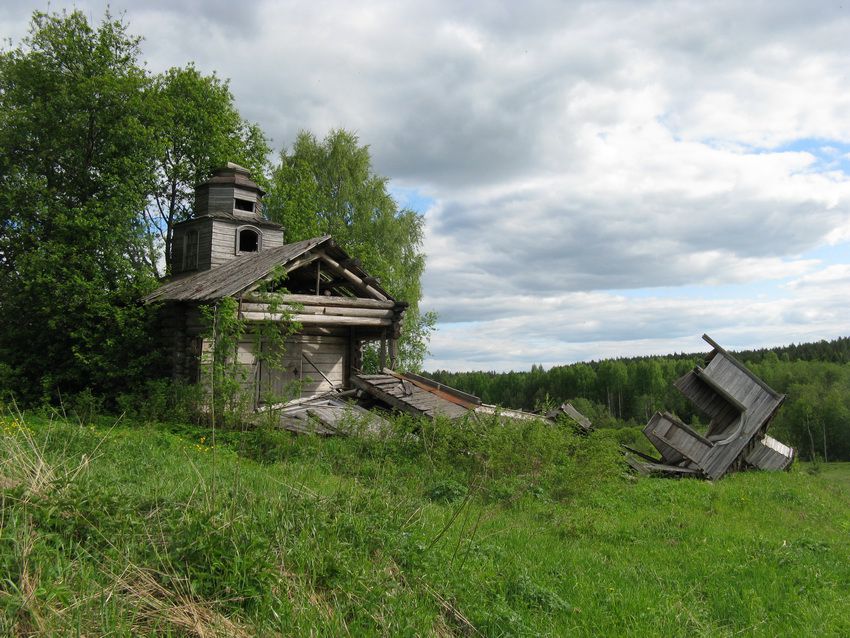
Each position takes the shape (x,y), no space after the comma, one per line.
(426,529)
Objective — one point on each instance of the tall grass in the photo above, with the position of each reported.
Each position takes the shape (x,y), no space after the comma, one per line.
(427,528)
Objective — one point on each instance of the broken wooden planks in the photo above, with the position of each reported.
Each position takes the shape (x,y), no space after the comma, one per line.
(740,406)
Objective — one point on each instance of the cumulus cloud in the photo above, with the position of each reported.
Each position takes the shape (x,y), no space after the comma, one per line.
(574,151)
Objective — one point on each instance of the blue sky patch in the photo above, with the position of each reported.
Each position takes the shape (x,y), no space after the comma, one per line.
(411,198)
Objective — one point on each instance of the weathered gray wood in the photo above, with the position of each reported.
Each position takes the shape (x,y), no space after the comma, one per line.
(384,396)
(495,410)
(320,300)
(770,454)
(320,320)
(405,395)
(244,273)
(337,311)
(353,278)
(233,276)
(740,406)
(454,392)
(576,416)
(315,363)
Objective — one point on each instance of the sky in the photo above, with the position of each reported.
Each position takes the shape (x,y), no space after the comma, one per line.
(597,179)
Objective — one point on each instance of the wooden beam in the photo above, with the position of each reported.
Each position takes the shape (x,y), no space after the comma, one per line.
(318,275)
(386,397)
(321,300)
(393,352)
(357,281)
(317,369)
(317,320)
(336,311)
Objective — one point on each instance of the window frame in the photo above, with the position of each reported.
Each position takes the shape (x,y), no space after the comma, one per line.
(254,229)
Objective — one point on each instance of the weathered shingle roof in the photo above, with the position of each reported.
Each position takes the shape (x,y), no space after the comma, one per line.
(415,395)
(234,276)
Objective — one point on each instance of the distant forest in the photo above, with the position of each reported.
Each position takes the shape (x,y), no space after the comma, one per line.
(621,392)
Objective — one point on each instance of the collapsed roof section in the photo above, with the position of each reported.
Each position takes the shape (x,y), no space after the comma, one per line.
(402,392)
(415,395)
(740,406)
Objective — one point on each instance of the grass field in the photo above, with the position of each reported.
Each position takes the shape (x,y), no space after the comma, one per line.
(516,530)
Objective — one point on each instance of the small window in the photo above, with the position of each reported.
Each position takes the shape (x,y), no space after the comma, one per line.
(249,241)
(244,205)
(190,251)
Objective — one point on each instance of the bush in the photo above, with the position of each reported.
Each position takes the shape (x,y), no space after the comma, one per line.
(163,401)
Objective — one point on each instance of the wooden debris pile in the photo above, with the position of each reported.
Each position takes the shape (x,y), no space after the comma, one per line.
(581,422)
(407,393)
(740,406)
(415,395)
(327,414)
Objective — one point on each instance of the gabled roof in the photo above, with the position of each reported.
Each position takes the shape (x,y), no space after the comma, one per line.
(242,272)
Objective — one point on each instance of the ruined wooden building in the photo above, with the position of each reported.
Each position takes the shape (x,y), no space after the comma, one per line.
(740,406)
(228,249)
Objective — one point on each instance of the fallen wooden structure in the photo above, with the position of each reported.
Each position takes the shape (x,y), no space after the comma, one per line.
(415,395)
(581,422)
(330,413)
(740,406)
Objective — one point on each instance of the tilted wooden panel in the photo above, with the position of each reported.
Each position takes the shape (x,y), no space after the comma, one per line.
(741,406)
(407,397)
(672,433)
(761,408)
(770,454)
(700,394)
(703,396)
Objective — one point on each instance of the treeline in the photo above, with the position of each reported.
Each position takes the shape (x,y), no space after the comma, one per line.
(616,392)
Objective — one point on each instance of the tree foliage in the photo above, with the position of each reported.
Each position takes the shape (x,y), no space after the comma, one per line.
(98,161)
(76,160)
(196,129)
(329,187)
